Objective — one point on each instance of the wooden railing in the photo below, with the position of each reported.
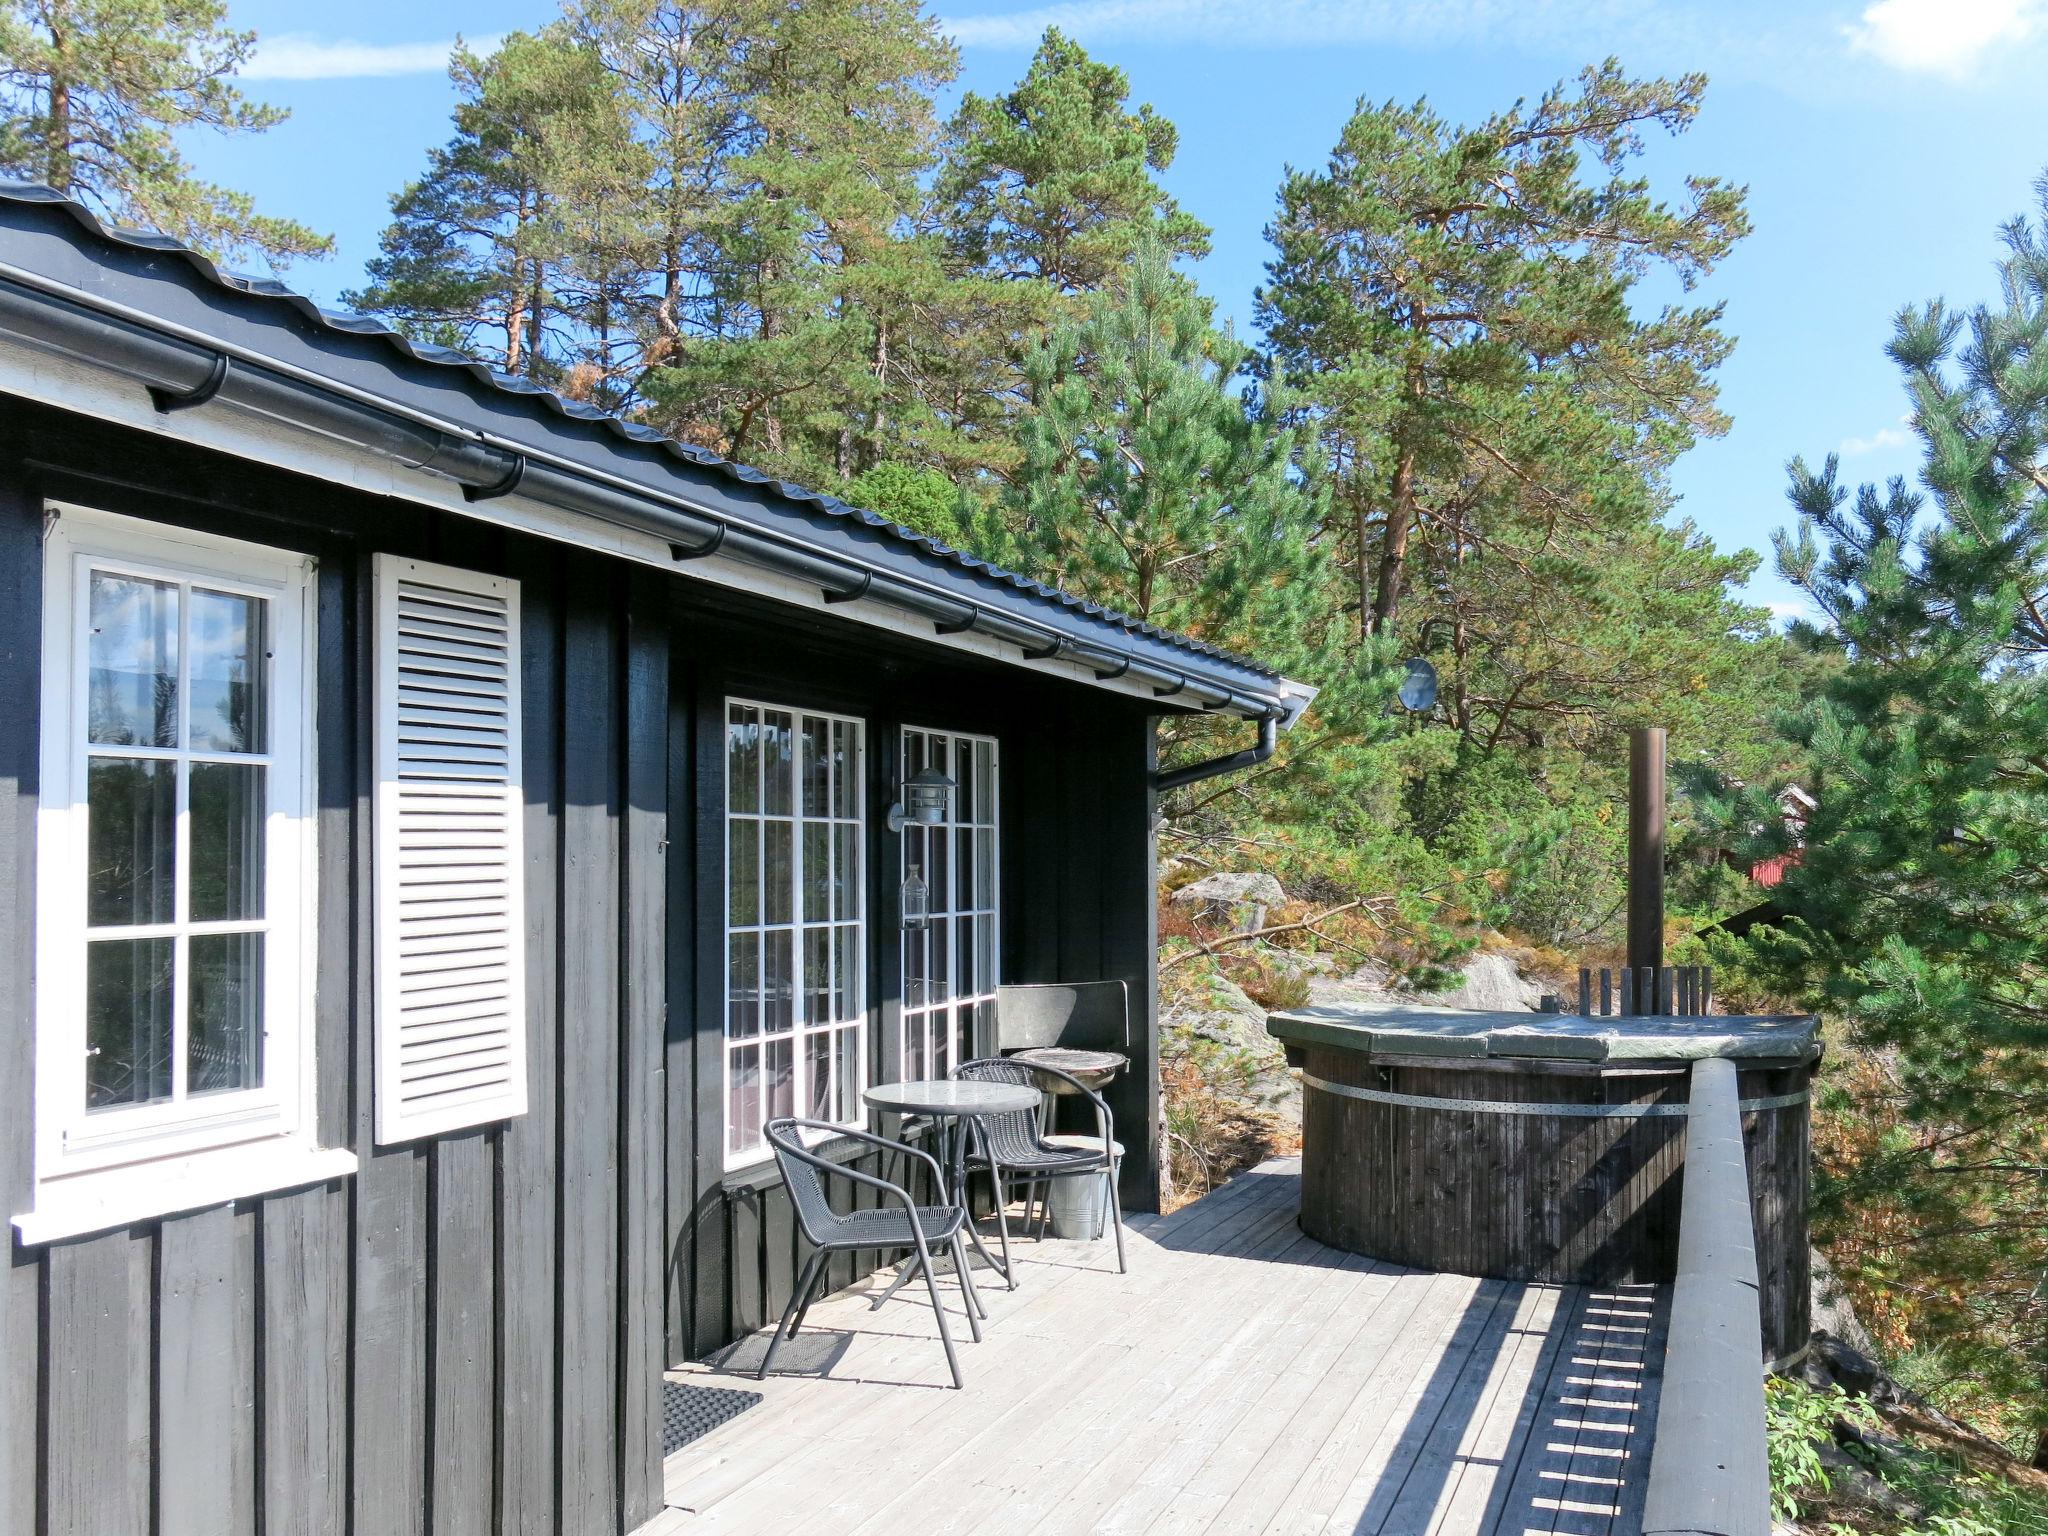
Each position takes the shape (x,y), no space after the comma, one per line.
(1709,1468)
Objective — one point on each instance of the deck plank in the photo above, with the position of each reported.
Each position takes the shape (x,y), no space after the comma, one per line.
(1242,1378)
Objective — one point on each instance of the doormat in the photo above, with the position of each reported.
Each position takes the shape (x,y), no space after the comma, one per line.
(690,1413)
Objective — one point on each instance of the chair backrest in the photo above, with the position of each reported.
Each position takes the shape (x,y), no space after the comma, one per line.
(1015,1131)
(803,1176)
(1082,1016)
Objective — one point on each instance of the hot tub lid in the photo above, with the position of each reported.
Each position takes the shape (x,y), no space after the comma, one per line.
(1443,1032)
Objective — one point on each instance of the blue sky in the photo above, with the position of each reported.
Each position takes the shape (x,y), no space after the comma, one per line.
(1882,143)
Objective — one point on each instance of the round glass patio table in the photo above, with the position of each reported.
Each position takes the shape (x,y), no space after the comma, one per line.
(954,1106)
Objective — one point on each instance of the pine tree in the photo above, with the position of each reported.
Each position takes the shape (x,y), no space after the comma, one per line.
(1460,299)
(1918,906)
(93,94)
(1054,181)
(485,250)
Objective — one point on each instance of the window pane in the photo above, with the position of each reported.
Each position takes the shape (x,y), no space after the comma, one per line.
(128,1021)
(985,947)
(778,983)
(743,759)
(816,767)
(985,869)
(776,796)
(226,801)
(743,1111)
(916,967)
(818,1097)
(963,874)
(961,807)
(131,841)
(963,1033)
(224,1020)
(914,1059)
(781,1078)
(938,873)
(743,872)
(942,1055)
(228,645)
(743,990)
(984,783)
(778,871)
(817,870)
(964,936)
(132,686)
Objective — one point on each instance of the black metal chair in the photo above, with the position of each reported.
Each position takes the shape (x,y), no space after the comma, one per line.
(1011,1148)
(914,1226)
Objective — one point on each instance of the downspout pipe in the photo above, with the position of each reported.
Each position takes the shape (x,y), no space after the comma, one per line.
(1216,767)
(183,373)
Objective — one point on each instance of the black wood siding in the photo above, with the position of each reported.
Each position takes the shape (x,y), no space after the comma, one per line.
(467,1336)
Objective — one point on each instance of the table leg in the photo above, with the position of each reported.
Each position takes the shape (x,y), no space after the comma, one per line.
(959,1166)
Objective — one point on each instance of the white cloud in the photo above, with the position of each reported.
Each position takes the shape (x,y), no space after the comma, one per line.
(1940,37)
(308,56)
(1883,437)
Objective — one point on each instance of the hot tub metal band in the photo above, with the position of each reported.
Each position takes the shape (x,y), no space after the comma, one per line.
(1508,1107)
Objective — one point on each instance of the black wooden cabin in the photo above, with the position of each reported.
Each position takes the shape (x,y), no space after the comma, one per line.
(328,1217)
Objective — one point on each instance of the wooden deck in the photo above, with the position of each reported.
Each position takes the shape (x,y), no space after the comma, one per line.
(1241,1378)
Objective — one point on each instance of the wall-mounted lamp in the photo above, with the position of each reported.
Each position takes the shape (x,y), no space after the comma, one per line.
(923,802)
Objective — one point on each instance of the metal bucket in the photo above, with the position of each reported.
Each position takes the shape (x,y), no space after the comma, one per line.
(1079,1207)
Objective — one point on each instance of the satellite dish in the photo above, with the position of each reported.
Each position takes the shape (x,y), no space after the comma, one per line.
(1418,687)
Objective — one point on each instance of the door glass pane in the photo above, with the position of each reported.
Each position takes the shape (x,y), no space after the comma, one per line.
(743,1112)
(913,1048)
(941,974)
(963,873)
(743,991)
(781,1078)
(778,983)
(817,975)
(817,870)
(818,1075)
(778,871)
(226,801)
(228,646)
(984,782)
(961,806)
(985,869)
(128,1021)
(846,873)
(224,1021)
(846,998)
(845,770)
(743,759)
(131,841)
(847,1046)
(816,767)
(743,872)
(132,681)
(777,797)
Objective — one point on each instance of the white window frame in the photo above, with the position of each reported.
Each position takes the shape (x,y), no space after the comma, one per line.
(119,1164)
(751,1155)
(946,905)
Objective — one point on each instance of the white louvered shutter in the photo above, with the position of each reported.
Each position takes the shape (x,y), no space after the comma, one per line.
(450,921)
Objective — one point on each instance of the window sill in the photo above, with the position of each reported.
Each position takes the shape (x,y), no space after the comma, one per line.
(76,1204)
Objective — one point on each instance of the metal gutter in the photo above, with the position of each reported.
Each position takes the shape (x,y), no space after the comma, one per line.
(1215,767)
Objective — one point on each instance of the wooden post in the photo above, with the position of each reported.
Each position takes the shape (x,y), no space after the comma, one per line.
(1646,852)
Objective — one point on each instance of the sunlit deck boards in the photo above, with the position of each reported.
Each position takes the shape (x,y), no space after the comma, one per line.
(1241,1378)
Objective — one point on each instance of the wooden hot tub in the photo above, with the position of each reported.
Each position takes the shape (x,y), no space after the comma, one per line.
(1544,1146)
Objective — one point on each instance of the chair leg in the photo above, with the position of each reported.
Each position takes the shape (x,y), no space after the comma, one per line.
(1116,1215)
(903,1276)
(966,1272)
(788,1313)
(999,1194)
(931,1281)
(811,1294)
